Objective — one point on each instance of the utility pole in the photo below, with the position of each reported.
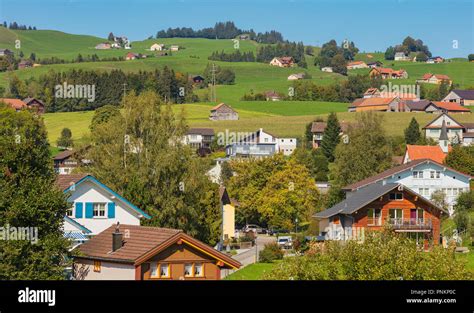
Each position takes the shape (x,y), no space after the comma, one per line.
(213,84)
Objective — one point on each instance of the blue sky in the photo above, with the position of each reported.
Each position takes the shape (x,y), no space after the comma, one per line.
(371,24)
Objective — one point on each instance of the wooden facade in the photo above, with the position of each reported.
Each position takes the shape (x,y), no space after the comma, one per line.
(416,216)
(176,257)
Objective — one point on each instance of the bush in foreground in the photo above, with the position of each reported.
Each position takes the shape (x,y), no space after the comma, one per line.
(382,256)
(270,253)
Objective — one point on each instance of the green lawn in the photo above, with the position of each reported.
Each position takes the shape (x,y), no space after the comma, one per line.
(252,272)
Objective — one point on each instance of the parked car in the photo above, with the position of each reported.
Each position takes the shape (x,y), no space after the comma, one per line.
(285,242)
(255,228)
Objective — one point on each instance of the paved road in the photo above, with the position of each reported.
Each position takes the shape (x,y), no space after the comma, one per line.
(249,256)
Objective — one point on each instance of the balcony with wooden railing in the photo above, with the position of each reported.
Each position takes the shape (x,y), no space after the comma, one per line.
(410,223)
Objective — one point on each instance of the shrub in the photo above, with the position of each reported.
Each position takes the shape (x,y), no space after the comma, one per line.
(382,256)
(270,253)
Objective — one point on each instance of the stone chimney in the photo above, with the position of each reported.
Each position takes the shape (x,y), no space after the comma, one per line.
(117,237)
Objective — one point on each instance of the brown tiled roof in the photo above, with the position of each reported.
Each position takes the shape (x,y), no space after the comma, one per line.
(16,104)
(65,181)
(451,106)
(63,155)
(222,106)
(201,131)
(393,171)
(142,243)
(372,101)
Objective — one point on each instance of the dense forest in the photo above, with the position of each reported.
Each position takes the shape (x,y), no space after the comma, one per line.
(109,87)
(222,30)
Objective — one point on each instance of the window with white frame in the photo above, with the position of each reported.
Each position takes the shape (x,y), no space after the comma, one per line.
(99,209)
(188,270)
(153,270)
(417,174)
(424,191)
(198,270)
(164,270)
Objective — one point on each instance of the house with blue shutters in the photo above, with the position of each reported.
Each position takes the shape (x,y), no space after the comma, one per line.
(94,207)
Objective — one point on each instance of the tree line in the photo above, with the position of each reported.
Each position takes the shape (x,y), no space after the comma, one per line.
(109,87)
(221,30)
(236,56)
(286,49)
(15,25)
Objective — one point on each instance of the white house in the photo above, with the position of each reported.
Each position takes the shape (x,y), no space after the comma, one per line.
(401,56)
(94,206)
(327,69)
(462,97)
(423,176)
(157,47)
(174,48)
(261,144)
(199,137)
(297,76)
(456,132)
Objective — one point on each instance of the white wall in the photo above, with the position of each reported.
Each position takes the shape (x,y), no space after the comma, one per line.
(90,192)
(108,271)
(448,179)
(286,145)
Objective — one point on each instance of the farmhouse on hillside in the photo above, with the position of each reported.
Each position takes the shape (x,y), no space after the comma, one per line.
(401,56)
(374,104)
(462,97)
(223,112)
(435,79)
(374,64)
(356,64)
(388,73)
(174,48)
(327,69)
(132,252)
(28,103)
(436,59)
(272,95)
(157,47)
(376,205)
(282,62)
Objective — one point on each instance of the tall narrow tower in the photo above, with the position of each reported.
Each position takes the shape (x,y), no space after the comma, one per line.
(443,138)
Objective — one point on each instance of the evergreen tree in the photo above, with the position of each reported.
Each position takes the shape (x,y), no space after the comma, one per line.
(412,132)
(29,198)
(331,137)
(65,141)
(111,37)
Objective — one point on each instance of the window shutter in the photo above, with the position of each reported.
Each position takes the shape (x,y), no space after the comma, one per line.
(89,210)
(111,210)
(79,208)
